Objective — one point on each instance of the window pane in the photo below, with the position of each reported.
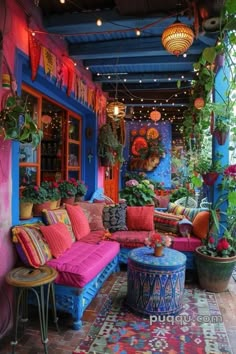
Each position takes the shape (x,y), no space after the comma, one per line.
(74,132)
(27,175)
(73,158)
(73,174)
(27,154)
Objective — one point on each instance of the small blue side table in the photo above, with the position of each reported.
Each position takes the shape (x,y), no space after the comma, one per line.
(156,284)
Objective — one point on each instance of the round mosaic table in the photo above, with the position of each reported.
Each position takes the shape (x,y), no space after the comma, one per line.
(40,282)
(156,284)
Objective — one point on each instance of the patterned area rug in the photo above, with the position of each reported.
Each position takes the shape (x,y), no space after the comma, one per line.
(197,329)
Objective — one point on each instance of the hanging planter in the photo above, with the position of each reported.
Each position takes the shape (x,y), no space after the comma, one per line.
(220,136)
(209,178)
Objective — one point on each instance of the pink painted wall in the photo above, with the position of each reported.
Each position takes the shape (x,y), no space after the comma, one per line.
(13,25)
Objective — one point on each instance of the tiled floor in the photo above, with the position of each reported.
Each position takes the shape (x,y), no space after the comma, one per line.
(67,340)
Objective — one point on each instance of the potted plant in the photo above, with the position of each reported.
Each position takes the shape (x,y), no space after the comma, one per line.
(17,124)
(208,169)
(68,190)
(38,196)
(53,191)
(110,150)
(158,242)
(81,189)
(216,258)
(138,193)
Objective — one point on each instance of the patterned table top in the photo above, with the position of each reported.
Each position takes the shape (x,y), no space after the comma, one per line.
(145,255)
(26,277)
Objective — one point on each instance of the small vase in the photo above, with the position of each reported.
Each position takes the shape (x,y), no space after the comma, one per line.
(158,251)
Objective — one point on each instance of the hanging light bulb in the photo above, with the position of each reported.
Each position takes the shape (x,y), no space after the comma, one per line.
(99,22)
(116,110)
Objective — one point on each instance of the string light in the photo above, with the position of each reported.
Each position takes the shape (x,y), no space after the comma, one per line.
(99,22)
(138,32)
(62,1)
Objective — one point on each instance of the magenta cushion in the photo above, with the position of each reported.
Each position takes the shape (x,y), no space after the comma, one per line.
(83,261)
(185,244)
(140,218)
(58,238)
(79,221)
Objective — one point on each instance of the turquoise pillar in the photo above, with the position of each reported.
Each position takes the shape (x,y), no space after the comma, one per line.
(220,152)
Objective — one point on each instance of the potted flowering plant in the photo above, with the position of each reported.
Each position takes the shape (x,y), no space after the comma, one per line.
(81,188)
(216,258)
(138,193)
(37,195)
(68,189)
(158,241)
(54,195)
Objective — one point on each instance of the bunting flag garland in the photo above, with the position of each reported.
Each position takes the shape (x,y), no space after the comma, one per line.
(91,97)
(49,61)
(70,79)
(34,54)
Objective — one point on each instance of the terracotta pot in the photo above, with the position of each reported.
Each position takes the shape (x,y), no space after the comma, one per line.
(158,251)
(53,204)
(26,210)
(210,178)
(214,273)
(37,208)
(220,136)
(70,200)
(79,198)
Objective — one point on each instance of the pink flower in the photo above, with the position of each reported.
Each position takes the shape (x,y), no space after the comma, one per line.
(36,188)
(230,171)
(223,244)
(211,240)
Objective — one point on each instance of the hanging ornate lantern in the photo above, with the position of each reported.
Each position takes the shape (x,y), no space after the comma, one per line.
(116,110)
(177,38)
(155,116)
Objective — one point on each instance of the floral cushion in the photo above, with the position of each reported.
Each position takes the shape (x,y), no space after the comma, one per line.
(93,212)
(59,215)
(30,245)
(114,217)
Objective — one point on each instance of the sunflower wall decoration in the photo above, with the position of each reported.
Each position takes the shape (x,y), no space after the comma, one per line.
(146,149)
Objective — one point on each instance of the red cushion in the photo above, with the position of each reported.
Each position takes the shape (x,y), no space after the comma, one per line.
(140,217)
(57,237)
(79,221)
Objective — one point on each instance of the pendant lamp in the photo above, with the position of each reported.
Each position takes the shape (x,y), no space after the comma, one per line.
(155,116)
(177,38)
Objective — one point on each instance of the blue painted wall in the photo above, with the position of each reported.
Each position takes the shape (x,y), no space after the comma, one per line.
(162,173)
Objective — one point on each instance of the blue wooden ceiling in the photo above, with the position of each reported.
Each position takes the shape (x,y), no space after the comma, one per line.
(136,69)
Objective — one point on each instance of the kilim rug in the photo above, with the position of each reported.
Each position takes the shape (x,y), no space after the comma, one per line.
(197,329)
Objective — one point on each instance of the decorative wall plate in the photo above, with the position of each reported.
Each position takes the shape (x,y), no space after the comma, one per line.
(152,133)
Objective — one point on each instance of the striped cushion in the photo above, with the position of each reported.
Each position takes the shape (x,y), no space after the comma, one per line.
(51,217)
(31,247)
(167,222)
(58,238)
(190,213)
(79,221)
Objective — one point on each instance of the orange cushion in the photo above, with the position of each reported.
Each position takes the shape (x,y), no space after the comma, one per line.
(79,221)
(201,224)
(140,218)
(58,238)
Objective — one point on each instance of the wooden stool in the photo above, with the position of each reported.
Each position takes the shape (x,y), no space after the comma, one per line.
(24,279)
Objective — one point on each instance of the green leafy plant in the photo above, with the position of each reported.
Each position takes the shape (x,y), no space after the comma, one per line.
(35,194)
(67,188)
(81,188)
(109,147)
(17,124)
(138,193)
(52,189)
(180,193)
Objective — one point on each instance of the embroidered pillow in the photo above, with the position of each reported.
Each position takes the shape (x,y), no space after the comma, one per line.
(79,221)
(93,212)
(167,221)
(57,237)
(140,218)
(30,245)
(59,215)
(114,217)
